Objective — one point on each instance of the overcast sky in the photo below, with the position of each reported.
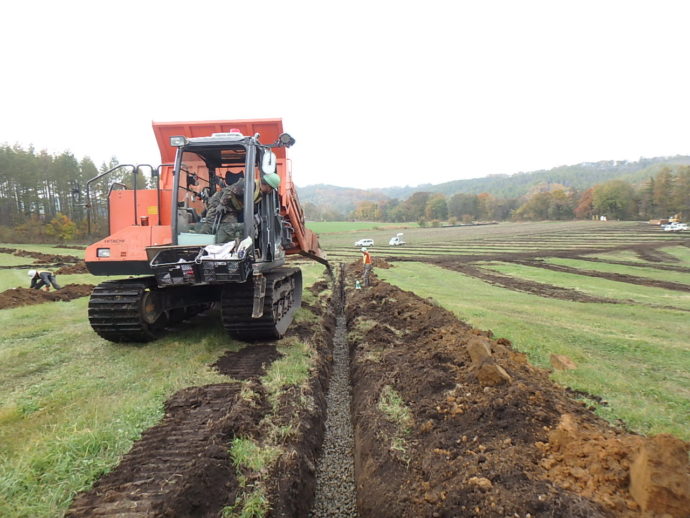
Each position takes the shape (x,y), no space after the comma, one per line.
(375,93)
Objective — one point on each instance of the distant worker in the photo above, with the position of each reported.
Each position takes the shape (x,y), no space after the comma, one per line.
(226,206)
(40,278)
(366,260)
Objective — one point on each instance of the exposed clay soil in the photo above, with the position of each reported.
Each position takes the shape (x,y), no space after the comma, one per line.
(479,449)
(25,297)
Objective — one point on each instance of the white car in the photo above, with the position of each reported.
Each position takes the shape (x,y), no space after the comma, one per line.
(364,242)
(675,227)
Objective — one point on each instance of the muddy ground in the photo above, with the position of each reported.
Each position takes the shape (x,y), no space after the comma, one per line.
(490,435)
(486,434)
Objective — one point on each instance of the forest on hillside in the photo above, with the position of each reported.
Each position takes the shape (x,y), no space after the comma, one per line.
(43,197)
(666,192)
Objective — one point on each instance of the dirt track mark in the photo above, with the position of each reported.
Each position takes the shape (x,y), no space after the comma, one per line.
(656,266)
(620,277)
(564,253)
(181,467)
(249,362)
(535,288)
(178,466)
(542,289)
(653,255)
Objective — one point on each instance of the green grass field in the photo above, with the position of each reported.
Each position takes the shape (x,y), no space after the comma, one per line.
(598,287)
(647,272)
(71,403)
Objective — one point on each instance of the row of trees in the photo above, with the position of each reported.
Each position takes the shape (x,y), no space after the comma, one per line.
(43,194)
(668,192)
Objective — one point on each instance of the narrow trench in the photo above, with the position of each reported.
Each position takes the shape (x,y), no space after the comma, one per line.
(335,472)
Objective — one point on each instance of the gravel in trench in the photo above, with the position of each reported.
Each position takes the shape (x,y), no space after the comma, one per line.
(335,473)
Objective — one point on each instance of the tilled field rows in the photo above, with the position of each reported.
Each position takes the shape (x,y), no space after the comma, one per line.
(490,252)
(446,421)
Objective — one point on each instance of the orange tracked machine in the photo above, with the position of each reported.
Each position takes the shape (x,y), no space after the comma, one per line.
(182,264)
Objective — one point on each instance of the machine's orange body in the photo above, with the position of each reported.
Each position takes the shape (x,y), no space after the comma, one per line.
(136,226)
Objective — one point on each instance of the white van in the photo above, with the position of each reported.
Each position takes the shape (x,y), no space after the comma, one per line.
(364,242)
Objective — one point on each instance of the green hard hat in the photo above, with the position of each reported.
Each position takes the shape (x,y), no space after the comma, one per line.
(272,179)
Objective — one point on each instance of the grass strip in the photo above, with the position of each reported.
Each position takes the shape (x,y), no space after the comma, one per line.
(597,287)
(71,403)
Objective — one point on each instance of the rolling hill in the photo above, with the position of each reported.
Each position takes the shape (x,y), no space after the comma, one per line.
(579,176)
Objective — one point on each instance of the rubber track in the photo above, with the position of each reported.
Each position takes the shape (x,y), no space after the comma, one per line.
(114,311)
(237,302)
(155,477)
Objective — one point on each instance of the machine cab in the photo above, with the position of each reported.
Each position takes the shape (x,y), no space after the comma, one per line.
(220,196)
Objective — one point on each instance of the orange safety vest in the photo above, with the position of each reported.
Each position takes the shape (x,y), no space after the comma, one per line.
(366,258)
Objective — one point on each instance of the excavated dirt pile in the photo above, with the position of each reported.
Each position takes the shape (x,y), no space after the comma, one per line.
(72,269)
(451,422)
(25,297)
(41,257)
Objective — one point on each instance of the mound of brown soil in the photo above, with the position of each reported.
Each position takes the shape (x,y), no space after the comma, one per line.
(80,267)
(41,257)
(627,473)
(70,247)
(25,297)
(483,439)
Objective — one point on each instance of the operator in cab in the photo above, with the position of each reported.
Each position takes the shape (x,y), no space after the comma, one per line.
(226,206)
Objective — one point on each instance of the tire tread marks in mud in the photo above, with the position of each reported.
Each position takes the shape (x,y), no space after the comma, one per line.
(282,299)
(177,467)
(249,362)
